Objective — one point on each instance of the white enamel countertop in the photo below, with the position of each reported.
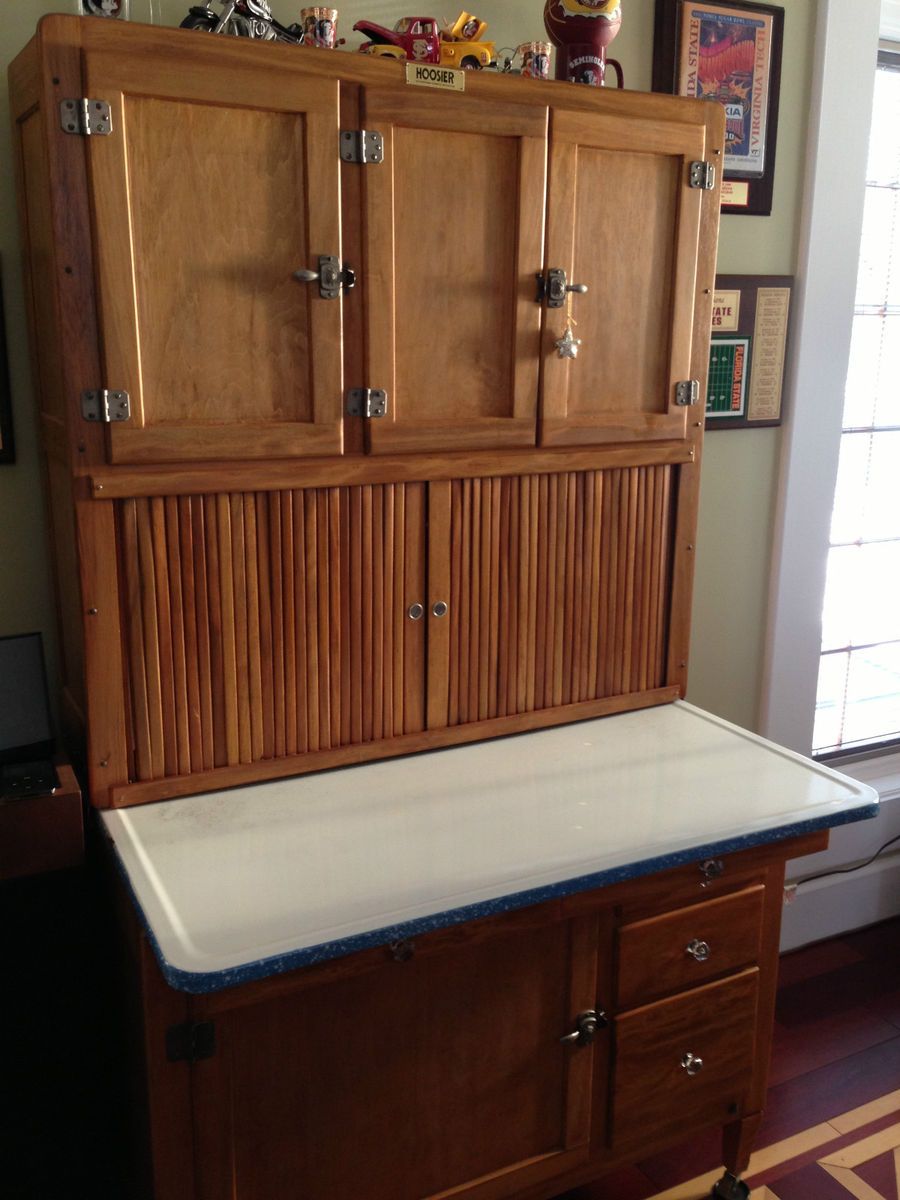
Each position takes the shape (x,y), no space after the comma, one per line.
(240,884)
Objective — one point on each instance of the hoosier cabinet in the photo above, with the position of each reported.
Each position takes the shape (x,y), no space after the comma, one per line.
(372,421)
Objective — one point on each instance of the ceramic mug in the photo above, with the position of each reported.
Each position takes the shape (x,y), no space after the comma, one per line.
(319,27)
(587,63)
(535,59)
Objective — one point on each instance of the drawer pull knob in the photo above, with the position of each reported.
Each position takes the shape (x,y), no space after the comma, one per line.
(692,1063)
(586,1026)
(698,950)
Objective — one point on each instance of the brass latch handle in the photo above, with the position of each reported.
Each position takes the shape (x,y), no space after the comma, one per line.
(331,277)
(555,287)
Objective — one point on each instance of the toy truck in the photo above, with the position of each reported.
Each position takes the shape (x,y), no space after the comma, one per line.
(420,40)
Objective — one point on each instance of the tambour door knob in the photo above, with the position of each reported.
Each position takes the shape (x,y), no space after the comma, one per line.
(416,612)
(698,950)
(692,1063)
(439,608)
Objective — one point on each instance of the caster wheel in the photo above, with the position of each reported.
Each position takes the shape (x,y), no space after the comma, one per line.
(729,1188)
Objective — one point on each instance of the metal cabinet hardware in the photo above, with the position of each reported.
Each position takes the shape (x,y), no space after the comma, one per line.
(366,402)
(587,1025)
(710,869)
(439,608)
(697,950)
(330,276)
(90,118)
(692,1063)
(554,288)
(687,392)
(361,146)
(105,405)
(416,612)
(703,176)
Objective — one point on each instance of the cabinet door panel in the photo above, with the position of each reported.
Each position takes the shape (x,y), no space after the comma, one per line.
(413,1079)
(556,587)
(207,197)
(623,220)
(454,236)
(270,624)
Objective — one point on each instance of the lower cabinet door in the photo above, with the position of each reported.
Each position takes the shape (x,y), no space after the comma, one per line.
(441,1071)
(684,1062)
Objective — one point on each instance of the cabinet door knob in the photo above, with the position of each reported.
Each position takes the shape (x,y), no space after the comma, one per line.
(416,612)
(698,950)
(710,869)
(692,1063)
(439,608)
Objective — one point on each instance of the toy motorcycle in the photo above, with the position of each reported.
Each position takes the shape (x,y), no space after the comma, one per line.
(242,18)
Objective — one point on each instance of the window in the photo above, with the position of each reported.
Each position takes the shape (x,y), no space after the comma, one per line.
(858,699)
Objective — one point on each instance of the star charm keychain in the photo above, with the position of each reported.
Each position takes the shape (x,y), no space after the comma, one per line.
(567,345)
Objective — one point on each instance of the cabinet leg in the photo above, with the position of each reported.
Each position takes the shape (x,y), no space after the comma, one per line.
(737,1144)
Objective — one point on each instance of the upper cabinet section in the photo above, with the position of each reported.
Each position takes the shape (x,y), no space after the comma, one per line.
(454,226)
(222,182)
(212,190)
(623,220)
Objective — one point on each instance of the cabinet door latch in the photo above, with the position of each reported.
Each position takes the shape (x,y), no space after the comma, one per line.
(362,146)
(687,391)
(703,175)
(587,1026)
(191,1042)
(554,287)
(84,116)
(331,277)
(106,406)
(366,402)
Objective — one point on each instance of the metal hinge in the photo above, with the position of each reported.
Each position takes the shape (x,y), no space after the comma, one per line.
(191,1041)
(366,402)
(687,392)
(106,406)
(362,146)
(86,117)
(703,175)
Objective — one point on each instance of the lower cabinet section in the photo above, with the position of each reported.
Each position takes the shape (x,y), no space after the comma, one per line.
(513,1056)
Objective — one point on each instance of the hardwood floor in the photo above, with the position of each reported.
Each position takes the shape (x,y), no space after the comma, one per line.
(832,1124)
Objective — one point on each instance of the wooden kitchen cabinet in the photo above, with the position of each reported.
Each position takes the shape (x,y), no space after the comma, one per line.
(265,581)
(450,1063)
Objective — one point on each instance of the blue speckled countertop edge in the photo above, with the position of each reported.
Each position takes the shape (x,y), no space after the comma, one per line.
(199,983)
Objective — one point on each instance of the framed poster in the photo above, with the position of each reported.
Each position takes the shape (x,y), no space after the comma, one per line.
(729,53)
(747,351)
(7,446)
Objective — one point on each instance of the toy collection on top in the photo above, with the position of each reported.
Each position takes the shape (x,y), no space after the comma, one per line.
(581,30)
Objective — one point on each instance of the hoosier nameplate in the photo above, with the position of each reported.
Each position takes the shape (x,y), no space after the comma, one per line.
(426,75)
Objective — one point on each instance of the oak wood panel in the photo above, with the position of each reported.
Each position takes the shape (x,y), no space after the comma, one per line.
(635,322)
(399,1055)
(238,647)
(453,327)
(223,353)
(653,1091)
(653,957)
(557,590)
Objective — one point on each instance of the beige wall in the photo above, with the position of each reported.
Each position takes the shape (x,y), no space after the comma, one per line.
(739,472)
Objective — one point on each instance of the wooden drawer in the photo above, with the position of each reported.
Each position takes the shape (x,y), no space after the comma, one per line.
(654,1094)
(689,946)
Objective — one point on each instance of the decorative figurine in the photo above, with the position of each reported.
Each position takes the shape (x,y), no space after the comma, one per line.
(243,18)
(420,40)
(581,30)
